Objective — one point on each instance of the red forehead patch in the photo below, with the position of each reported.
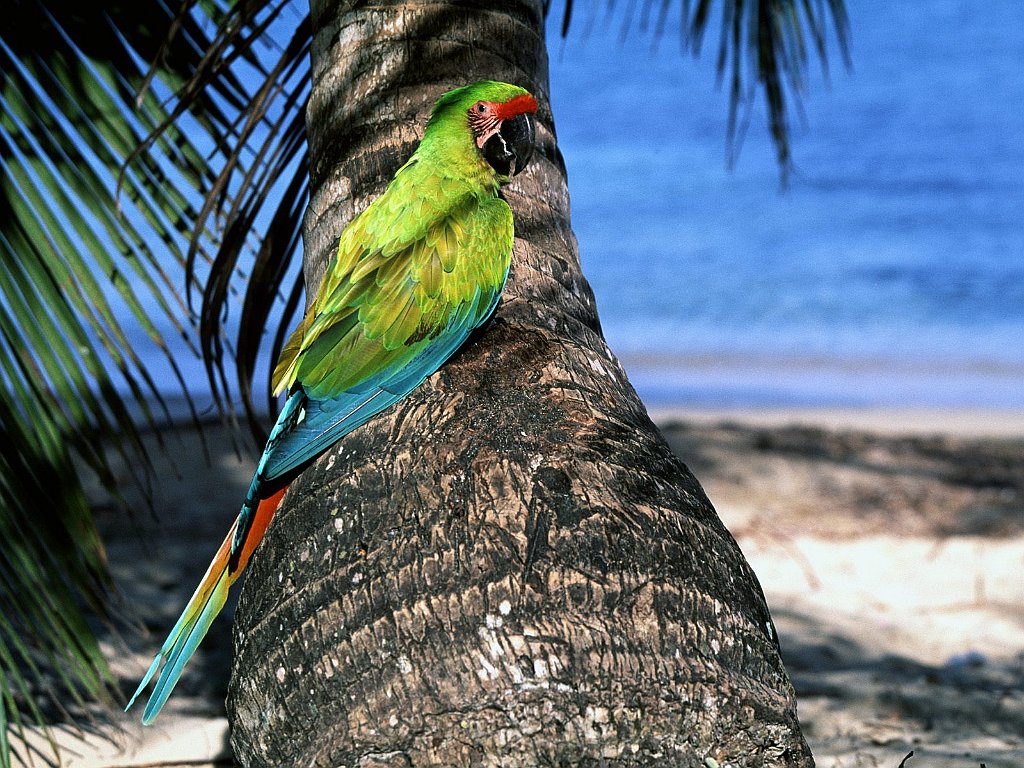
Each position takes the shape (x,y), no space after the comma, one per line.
(517,106)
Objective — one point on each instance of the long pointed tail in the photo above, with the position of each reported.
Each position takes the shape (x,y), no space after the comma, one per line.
(204,606)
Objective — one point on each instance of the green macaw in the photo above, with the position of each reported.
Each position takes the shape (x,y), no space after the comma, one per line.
(414,275)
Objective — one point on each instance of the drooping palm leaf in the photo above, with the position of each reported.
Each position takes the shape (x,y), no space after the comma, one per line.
(274,191)
(762,50)
(257,193)
(762,47)
(76,260)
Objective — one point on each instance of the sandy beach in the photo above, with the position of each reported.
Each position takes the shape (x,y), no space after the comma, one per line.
(890,546)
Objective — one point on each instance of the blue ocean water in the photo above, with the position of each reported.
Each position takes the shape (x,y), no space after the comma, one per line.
(890,272)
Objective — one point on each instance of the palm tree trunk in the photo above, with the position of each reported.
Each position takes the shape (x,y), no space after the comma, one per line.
(509,568)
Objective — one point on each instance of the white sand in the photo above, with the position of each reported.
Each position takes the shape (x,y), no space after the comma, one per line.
(973,422)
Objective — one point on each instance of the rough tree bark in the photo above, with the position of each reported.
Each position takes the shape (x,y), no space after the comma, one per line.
(509,568)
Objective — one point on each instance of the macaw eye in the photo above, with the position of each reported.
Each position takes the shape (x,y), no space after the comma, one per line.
(481,107)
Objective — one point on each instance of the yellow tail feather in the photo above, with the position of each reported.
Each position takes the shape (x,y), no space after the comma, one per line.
(202,609)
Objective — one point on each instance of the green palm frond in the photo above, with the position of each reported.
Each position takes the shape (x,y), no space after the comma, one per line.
(51,566)
(92,231)
(257,185)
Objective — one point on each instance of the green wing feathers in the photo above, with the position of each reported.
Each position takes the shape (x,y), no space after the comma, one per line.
(404,269)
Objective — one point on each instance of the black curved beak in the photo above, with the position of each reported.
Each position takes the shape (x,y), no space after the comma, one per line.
(510,149)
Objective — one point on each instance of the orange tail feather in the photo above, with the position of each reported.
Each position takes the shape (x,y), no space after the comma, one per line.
(264,514)
(206,603)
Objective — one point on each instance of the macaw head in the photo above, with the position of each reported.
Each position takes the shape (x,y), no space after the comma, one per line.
(498,118)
